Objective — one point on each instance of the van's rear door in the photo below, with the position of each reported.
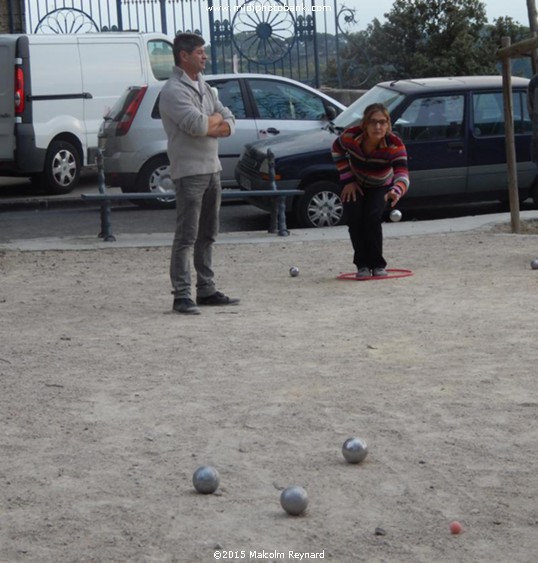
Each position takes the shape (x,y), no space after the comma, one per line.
(7,96)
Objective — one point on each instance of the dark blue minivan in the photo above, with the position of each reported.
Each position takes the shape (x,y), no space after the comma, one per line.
(454,132)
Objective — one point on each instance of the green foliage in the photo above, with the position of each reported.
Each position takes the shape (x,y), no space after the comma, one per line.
(434,38)
(507,27)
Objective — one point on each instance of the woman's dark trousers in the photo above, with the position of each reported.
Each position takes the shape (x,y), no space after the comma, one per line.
(364,219)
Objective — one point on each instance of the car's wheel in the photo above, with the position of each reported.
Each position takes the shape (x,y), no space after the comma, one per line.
(155,178)
(62,168)
(320,205)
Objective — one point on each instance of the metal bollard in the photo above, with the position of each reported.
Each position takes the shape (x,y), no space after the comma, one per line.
(277,220)
(106,224)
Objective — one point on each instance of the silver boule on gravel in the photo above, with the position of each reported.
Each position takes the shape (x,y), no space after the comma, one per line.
(294,500)
(395,215)
(294,271)
(354,450)
(534,264)
(206,479)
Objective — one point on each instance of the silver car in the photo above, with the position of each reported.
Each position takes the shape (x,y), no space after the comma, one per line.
(134,142)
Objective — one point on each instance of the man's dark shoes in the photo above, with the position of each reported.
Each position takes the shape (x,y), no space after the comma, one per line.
(185,306)
(217,298)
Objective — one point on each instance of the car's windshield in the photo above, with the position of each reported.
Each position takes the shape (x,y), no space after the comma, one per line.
(378,94)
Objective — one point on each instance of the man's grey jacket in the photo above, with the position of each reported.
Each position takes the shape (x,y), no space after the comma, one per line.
(184,112)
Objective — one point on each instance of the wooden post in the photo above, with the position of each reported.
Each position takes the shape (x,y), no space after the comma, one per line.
(509,139)
(519,49)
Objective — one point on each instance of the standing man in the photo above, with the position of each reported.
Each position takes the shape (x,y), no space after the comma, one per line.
(194,119)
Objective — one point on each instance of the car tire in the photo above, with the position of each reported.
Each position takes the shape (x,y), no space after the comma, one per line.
(320,205)
(154,177)
(62,168)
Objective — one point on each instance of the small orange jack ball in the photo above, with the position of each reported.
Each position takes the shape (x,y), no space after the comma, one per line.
(455,527)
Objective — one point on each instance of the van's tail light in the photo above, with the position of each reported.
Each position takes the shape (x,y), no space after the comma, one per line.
(126,115)
(19,91)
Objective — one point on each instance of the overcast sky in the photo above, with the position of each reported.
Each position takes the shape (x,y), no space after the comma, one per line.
(367,10)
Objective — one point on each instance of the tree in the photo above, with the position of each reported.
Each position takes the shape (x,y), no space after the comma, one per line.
(507,27)
(353,69)
(424,38)
(434,38)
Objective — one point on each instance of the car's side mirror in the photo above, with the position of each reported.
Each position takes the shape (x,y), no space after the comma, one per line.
(330,112)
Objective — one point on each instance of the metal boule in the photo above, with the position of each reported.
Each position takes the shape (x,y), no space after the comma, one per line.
(395,215)
(354,450)
(294,500)
(206,479)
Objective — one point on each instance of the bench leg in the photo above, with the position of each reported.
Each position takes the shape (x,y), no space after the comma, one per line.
(106,212)
(282,227)
(106,224)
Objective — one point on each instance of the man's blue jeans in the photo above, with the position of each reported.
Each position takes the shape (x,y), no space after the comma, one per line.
(197,225)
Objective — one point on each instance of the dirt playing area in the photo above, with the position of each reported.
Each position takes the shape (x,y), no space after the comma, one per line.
(109,402)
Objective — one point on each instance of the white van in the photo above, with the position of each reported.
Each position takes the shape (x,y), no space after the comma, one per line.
(55,90)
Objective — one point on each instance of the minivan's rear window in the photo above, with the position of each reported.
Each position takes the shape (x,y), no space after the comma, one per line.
(488,114)
(161,58)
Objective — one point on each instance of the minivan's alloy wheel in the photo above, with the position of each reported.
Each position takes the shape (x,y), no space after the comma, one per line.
(320,205)
(155,178)
(62,167)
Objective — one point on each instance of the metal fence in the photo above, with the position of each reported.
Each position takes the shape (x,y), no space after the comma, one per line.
(301,39)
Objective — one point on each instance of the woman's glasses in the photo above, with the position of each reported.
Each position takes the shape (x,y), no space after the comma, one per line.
(375,122)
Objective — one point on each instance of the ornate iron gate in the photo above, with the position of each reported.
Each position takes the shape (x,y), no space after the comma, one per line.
(296,38)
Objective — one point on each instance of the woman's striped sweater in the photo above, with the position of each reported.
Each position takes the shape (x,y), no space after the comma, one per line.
(385,166)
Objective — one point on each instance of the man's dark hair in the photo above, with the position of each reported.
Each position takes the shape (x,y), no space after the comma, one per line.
(186,42)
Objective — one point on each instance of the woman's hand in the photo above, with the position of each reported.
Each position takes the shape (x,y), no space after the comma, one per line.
(349,192)
(393,196)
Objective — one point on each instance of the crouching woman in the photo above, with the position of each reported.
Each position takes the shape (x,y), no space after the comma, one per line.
(372,163)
